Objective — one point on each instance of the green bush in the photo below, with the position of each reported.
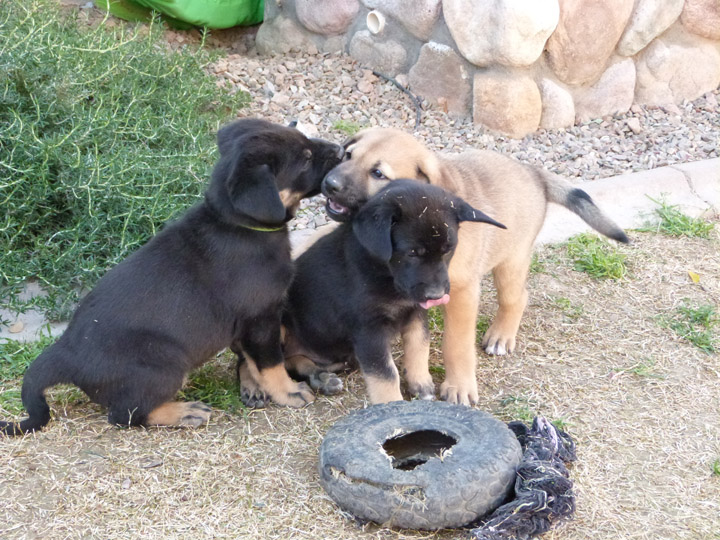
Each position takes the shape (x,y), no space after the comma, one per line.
(105,135)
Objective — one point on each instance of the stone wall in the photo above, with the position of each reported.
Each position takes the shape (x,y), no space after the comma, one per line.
(517,65)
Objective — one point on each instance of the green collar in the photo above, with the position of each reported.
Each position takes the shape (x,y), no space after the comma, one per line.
(258,228)
(264,229)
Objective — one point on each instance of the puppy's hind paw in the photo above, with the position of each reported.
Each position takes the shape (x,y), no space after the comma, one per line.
(498,345)
(326,383)
(180,414)
(496,349)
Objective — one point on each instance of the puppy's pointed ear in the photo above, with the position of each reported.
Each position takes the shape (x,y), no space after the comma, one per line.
(253,192)
(465,212)
(373,226)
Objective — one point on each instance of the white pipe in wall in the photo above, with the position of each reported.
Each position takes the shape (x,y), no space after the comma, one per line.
(375,21)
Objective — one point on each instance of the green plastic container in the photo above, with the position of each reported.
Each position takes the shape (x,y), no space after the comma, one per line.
(188,13)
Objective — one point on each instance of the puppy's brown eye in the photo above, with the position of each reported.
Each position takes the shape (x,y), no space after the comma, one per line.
(377,174)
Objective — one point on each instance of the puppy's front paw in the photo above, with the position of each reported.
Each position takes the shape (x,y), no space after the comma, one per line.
(462,393)
(326,383)
(276,383)
(297,395)
(253,397)
(424,390)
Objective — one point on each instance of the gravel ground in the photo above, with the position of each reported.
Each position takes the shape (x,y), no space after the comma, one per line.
(331,95)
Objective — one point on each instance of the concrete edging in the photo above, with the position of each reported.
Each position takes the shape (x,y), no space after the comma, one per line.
(628,198)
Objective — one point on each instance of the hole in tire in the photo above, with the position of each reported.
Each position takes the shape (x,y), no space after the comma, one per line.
(413,449)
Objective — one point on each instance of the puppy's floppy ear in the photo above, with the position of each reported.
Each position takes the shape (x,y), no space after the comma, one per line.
(428,168)
(465,212)
(230,134)
(253,192)
(348,142)
(372,227)
(353,139)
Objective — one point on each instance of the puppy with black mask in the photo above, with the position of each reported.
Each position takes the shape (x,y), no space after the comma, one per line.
(371,279)
(215,278)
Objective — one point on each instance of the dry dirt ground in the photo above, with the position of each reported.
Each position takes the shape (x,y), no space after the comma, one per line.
(642,404)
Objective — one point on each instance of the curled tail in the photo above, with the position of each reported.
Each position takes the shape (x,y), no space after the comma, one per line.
(41,374)
(560,191)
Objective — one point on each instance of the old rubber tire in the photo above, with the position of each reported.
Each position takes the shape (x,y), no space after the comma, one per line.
(470,478)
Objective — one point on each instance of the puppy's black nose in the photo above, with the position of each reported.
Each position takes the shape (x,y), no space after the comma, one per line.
(331,184)
(434,292)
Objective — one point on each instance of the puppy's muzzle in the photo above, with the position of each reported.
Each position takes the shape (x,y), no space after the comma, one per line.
(332,185)
(436,291)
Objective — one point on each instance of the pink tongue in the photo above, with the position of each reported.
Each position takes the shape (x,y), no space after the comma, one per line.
(427,304)
(340,209)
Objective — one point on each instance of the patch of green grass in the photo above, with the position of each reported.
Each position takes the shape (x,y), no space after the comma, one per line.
(572,311)
(347,127)
(440,370)
(695,324)
(436,321)
(215,385)
(561,424)
(537,265)
(594,256)
(517,408)
(15,357)
(644,368)
(436,324)
(524,409)
(64,395)
(105,135)
(674,223)
(716,467)
(705,315)
(10,401)
(482,325)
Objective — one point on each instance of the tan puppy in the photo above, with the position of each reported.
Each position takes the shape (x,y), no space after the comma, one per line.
(514,194)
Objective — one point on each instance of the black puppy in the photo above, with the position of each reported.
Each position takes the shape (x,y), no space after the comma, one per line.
(358,287)
(216,278)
